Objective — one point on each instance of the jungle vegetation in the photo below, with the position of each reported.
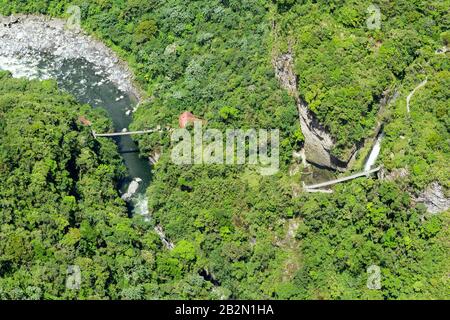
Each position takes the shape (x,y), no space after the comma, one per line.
(250,234)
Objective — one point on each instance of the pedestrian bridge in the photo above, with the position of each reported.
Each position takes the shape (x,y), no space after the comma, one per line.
(128,133)
(316,187)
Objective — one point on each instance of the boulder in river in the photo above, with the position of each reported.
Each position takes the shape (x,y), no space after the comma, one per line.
(132,188)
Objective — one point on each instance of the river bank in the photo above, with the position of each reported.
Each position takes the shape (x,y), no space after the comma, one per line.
(23,35)
(37,47)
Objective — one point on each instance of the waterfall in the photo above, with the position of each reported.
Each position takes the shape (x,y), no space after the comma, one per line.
(374,153)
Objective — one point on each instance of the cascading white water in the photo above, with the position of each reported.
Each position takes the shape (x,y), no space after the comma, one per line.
(36,47)
(86,83)
(23,68)
(374,153)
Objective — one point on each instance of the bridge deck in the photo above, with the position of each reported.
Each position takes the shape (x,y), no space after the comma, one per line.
(331,182)
(127,133)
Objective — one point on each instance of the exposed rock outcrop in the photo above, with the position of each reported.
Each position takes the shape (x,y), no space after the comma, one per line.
(395,174)
(166,242)
(318,142)
(434,199)
(132,188)
(154,157)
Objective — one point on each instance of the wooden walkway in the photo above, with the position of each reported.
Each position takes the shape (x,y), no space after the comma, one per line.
(314,187)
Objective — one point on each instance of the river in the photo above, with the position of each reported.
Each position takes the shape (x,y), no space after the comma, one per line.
(89,85)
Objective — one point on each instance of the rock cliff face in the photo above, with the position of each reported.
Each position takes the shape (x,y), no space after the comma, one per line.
(434,199)
(318,142)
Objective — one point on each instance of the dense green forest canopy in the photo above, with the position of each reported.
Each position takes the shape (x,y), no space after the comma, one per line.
(209,55)
(60,207)
(249,233)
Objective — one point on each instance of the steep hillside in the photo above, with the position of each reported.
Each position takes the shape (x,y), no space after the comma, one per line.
(59,202)
(238,234)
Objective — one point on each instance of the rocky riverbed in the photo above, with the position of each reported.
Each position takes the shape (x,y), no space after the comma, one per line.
(37,47)
(22,36)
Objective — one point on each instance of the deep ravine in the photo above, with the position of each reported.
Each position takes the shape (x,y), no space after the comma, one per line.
(41,48)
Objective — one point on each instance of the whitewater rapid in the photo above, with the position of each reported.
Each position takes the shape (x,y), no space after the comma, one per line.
(41,48)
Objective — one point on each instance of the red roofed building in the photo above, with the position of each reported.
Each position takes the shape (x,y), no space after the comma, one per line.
(187,117)
(84,121)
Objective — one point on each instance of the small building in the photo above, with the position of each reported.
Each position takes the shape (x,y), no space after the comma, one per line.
(186,118)
(84,121)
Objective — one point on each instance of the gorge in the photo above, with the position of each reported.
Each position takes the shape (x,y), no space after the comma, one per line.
(42,48)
